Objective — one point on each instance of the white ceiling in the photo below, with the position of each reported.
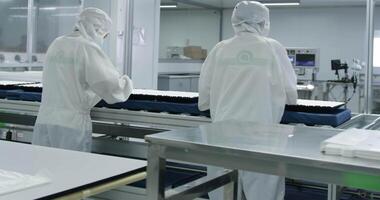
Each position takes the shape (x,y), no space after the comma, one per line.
(304,3)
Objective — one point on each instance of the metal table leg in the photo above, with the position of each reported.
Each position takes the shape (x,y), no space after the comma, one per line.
(333,192)
(156,180)
(156,173)
(231,189)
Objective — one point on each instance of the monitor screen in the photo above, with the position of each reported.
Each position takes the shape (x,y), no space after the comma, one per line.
(335,64)
(305,60)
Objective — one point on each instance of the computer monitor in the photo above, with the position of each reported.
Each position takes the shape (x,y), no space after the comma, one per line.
(304,57)
(306,60)
(338,65)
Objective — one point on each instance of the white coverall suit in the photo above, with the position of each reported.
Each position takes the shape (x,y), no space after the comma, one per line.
(76,76)
(249,78)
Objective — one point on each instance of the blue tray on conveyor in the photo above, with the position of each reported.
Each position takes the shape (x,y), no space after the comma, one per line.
(18,94)
(24,96)
(332,118)
(329,117)
(3,94)
(157,106)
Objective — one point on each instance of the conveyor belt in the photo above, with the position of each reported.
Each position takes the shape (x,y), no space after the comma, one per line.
(186,103)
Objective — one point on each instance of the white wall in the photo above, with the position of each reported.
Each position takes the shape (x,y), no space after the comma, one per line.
(179,68)
(188,27)
(145,56)
(339,32)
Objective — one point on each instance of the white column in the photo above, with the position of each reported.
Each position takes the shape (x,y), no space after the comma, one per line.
(145,43)
(369,58)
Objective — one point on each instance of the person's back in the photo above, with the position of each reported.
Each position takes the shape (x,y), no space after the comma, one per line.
(248,78)
(76,76)
(65,85)
(247,83)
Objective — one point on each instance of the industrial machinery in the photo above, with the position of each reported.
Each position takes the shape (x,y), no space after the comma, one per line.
(305,62)
(347,81)
(336,65)
(304,59)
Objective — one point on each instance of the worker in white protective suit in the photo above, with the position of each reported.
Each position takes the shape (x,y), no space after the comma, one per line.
(76,76)
(249,78)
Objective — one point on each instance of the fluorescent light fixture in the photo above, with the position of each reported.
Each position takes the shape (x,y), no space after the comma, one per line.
(48,8)
(18,8)
(60,7)
(45,8)
(169,6)
(18,16)
(281,4)
(66,15)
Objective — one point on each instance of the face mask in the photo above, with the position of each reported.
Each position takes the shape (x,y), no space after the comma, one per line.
(100,36)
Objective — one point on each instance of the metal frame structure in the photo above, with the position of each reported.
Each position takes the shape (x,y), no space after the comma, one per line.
(128,48)
(137,124)
(157,156)
(31,21)
(297,166)
(369,58)
(142,119)
(133,126)
(121,131)
(89,192)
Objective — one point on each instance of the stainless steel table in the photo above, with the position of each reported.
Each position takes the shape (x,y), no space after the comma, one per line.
(282,150)
(73,175)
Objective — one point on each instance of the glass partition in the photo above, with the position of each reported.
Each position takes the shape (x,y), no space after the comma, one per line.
(26,34)
(53,18)
(188,33)
(13,32)
(58,17)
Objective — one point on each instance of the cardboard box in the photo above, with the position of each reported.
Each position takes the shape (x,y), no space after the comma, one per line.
(194,52)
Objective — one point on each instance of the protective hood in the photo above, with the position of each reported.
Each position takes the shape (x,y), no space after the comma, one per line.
(251,16)
(94,25)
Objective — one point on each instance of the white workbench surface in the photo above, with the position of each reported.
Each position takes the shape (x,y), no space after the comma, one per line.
(67,170)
